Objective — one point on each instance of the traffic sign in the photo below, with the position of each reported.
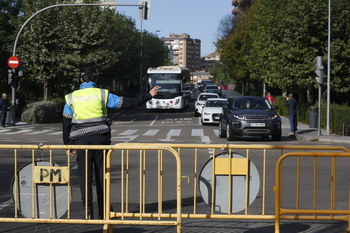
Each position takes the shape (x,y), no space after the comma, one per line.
(13,62)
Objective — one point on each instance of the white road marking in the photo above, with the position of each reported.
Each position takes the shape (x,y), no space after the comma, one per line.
(151,132)
(21,131)
(154,120)
(56,133)
(129,132)
(200,133)
(171,133)
(174,132)
(216,132)
(197,132)
(125,138)
(40,132)
(123,122)
(5,204)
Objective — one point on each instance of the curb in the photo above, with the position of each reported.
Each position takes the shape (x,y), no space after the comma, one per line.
(331,139)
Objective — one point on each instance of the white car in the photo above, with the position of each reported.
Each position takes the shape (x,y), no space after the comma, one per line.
(201,101)
(212,110)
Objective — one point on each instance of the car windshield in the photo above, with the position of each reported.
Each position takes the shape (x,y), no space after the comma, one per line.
(205,97)
(212,87)
(215,103)
(251,104)
(186,88)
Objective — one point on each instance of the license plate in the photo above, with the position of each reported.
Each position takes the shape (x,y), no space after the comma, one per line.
(257,124)
(217,118)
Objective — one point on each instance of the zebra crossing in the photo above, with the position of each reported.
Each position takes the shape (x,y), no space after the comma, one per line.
(197,135)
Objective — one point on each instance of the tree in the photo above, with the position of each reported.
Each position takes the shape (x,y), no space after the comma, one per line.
(9,11)
(234,48)
(276,43)
(58,42)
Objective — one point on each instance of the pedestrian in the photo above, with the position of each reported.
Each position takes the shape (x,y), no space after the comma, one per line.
(270,98)
(4,107)
(85,123)
(292,113)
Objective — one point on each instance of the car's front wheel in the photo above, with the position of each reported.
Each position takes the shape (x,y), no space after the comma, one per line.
(229,133)
(222,131)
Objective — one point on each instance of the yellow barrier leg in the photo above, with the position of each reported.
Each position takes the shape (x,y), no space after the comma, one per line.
(107,228)
(347,230)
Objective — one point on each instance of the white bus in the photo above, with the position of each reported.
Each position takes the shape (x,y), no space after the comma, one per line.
(172,80)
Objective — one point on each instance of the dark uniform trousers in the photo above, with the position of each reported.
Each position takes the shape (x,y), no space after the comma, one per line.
(95,165)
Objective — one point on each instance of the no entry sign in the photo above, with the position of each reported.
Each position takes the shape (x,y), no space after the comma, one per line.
(13,62)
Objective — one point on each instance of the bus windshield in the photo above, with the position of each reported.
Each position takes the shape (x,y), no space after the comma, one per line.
(170,83)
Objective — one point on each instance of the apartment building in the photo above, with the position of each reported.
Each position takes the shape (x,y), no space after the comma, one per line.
(184,50)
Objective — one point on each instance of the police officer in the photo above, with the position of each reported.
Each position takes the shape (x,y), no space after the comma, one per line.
(85,123)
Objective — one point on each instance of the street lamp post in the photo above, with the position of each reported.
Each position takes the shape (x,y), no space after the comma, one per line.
(329,66)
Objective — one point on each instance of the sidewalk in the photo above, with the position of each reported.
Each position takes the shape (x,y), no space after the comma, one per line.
(307,133)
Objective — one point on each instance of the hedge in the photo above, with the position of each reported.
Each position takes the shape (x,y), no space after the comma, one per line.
(41,112)
(339,115)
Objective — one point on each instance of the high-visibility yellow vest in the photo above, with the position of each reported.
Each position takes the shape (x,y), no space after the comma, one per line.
(88,104)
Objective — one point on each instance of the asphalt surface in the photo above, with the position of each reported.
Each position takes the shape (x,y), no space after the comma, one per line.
(208,225)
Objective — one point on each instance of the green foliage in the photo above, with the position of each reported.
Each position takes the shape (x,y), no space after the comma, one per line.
(219,73)
(41,112)
(57,42)
(276,42)
(9,9)
(286,40)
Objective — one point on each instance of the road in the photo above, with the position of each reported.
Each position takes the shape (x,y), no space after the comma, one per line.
(140,126)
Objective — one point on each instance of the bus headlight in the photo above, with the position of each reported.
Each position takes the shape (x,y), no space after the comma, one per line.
(177,101)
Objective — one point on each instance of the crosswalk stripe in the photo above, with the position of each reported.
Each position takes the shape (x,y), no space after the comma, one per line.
(216,132)
(56,133)
(174,132)
(21,131)
(197,132)
(151,132)
(128,132)
(40,132)
(127,135)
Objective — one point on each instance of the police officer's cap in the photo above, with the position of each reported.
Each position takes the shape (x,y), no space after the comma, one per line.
(88,73)
(88,70)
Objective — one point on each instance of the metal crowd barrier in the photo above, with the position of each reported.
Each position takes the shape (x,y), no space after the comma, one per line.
(265,156)
(37,183)
(246,172)
(331,207)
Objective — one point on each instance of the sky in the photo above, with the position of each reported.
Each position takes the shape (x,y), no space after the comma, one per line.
(198,18)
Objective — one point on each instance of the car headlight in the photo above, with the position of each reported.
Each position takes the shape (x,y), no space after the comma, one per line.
(273,117)
(238,117)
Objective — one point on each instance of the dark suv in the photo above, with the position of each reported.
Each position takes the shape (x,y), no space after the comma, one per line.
(249,116)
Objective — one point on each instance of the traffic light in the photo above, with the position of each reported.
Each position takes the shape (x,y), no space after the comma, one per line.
(21,68)
(11,76)
(144,9)
(319,69)
(13,79)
